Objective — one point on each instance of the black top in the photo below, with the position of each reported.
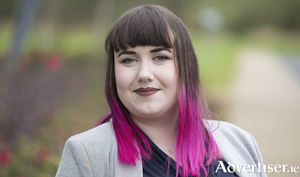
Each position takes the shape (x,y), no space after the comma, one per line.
(157,165)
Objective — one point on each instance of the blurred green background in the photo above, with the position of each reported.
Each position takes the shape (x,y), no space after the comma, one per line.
(52,64)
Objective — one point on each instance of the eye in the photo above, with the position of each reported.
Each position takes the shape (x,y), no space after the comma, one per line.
(160,58)
(128,60)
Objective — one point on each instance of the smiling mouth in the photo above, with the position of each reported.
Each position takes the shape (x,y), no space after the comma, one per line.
(146,91)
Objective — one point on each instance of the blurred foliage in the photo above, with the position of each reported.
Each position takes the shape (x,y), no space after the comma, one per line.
(240,15)
(243,16)
(30,96)
(76,30)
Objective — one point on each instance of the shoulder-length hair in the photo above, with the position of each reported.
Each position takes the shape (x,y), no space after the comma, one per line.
(156,26)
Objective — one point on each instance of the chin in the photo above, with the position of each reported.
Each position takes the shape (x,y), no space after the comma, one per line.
(147,113)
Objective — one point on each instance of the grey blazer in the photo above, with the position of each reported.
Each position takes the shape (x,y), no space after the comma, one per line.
(94,153)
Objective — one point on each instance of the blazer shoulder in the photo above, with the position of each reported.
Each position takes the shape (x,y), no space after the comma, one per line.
(235,144)
(91,152)
(101,137)
(230,131)
(103,132)
(234,135)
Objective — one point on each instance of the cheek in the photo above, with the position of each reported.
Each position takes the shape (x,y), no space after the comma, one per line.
(124,78)
(169,77)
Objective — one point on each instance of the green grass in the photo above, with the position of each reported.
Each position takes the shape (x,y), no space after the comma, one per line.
(216,56)
(5,39)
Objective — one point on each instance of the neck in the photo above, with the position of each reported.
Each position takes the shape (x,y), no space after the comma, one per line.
(162,131)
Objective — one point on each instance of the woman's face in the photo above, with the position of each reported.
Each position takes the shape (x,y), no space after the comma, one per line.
(146,81)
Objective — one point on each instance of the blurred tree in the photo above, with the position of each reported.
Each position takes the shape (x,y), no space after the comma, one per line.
(25,16)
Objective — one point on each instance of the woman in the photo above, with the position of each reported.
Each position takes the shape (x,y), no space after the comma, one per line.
(158,126)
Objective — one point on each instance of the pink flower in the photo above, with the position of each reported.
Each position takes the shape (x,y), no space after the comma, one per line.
(54,62)
(5,158)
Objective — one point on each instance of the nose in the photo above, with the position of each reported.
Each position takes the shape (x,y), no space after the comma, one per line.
(145,74)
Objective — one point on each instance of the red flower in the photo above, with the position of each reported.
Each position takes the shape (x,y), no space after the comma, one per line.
(5,158)
(45,153)
(53,62)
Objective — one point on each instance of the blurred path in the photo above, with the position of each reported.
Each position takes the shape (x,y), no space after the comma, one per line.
(266,102)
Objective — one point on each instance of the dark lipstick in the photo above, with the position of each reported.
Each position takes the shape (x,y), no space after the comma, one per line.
(146,91)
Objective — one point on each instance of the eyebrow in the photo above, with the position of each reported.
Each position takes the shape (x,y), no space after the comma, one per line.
(160,49)
(152,51)
(126,52)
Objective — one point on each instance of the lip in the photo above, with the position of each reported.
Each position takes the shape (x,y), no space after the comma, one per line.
(146,91)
